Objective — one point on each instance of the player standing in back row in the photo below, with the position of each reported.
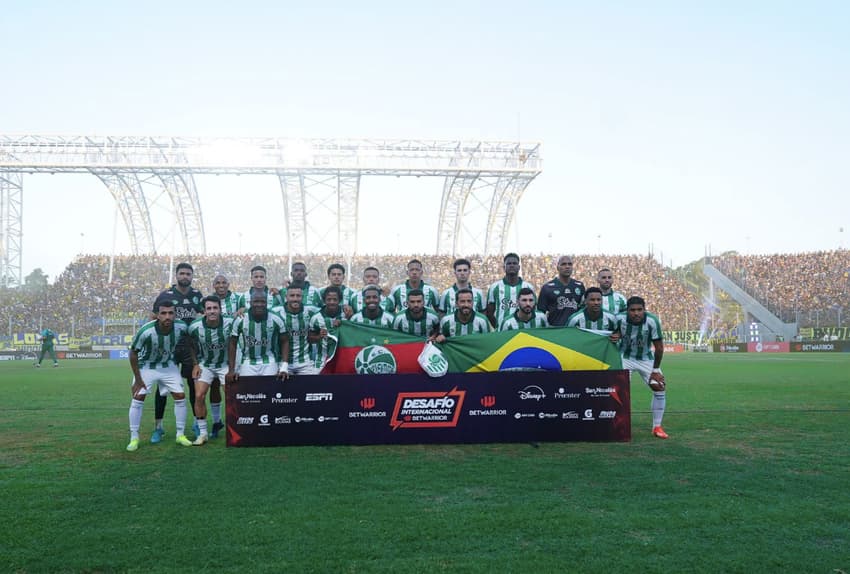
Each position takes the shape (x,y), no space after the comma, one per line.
(563,295)
(502,295)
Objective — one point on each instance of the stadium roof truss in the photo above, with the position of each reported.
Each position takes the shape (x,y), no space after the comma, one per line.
(483,182)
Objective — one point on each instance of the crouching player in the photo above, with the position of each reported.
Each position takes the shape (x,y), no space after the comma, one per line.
(642,348)
(152,362)
(211,334)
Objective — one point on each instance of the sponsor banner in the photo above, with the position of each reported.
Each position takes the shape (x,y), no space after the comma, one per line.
(772,347)
(81,355)
(122,355)
(111,340)
(730,348)
(675,348)
(821,347)
(417,409)
(17,356)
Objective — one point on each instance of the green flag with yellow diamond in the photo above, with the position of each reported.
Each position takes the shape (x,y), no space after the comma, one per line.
(545,349)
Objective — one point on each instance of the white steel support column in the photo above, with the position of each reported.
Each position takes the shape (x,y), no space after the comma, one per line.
(294,210)
(506,196)
(130,197)
(348,194)
(11,228)
(456,191)
(187,210)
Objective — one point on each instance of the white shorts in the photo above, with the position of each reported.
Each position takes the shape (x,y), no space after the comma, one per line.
(643,368)
(209,374)
(261,370)
(167,379)
(303,369)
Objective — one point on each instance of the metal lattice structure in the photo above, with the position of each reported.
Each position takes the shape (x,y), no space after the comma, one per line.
(319,179)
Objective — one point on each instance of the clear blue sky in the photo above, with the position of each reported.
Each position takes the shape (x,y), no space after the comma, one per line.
(675,124)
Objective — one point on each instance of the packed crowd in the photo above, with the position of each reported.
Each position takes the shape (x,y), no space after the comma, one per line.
(82,295)
(809,288)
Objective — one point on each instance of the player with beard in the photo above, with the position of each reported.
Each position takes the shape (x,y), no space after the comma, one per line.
(336,276)
(526,316)
(297,320)
(503,294)
(324,327)
(398,295)
(463,320)
(265,344)
(642,348)
(593,318)
(562,296)
(187,305)
(372,314)
(211,334)
(416,319)
(448,301)
(612,301)
(152,362)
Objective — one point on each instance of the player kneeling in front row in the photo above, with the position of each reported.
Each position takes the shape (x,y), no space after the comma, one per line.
(642,348)
(152,362)
(211,334)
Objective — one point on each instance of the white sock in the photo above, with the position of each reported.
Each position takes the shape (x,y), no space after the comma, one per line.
(659,402)
(135,417)
(180,415)
(215,409)
(202,426)
(157,424)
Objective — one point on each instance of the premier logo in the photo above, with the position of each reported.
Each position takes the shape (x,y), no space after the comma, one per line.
(279,399)
(427,409)
(562,393)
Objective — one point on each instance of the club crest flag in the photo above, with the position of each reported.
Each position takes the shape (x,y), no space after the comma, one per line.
(544,349)
(368,350)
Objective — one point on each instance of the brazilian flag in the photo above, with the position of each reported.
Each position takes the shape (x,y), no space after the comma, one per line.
(544,349)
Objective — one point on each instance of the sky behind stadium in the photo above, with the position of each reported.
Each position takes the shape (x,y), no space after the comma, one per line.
(666,125)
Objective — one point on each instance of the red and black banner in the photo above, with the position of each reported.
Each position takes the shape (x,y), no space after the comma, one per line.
(416,409)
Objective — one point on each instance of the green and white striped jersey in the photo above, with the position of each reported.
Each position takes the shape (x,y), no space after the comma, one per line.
(605,322)
(230,304)
(384,319)
(614,303)
(421,327)
(155,349)
(325,348)
(211,341)
(636,340)
(513,323)
(347,292)
(448,300)
(245,299)
(298,327)
(398,296)
(504,296)
(357,304)
(260,340)
(311,299)
(451,327)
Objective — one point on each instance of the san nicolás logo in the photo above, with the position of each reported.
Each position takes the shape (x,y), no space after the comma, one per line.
(375,360)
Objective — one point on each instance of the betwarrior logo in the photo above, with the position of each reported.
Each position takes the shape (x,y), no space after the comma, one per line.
(427,409)
(374,360)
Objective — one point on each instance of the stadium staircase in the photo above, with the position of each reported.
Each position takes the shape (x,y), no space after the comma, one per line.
(749,304)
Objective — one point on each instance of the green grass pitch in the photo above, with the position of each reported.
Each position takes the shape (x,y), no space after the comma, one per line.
(754,478)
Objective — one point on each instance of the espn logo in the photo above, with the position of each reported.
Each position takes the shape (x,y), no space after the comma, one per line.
(319,397)
(367,403)
(488,401)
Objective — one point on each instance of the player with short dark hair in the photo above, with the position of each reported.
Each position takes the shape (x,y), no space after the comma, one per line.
(372,313)
(416,319)
(371,276)
(336,276)
(47,338)
(612,301)
(265,344)
(187,305)
(258,282)
(563,295)
(152,362)
(324,326)
(297,319)
(462,269)
(311,299)
(642,348)
(593,318)
(463,320)
(526,316)
(503,294)
(398,294)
